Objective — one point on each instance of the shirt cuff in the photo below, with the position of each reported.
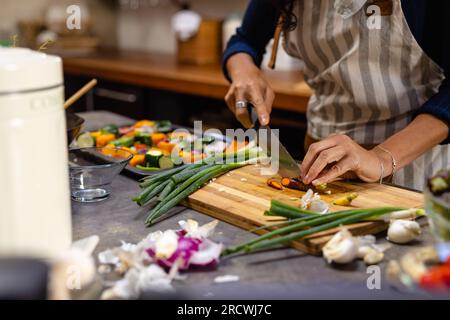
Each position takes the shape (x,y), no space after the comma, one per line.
(238,46)
(439,106)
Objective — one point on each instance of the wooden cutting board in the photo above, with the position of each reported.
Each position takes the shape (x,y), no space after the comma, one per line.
(241,197)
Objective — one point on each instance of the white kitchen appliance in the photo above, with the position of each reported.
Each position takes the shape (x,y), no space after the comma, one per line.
(35,214)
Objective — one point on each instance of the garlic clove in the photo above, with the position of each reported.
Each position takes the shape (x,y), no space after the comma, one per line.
(373,256)
(342,248)
(403,231)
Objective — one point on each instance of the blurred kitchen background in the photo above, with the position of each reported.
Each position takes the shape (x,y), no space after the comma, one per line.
(144,69)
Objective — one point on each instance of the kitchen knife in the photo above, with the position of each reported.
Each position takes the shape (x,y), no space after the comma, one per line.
(287,166)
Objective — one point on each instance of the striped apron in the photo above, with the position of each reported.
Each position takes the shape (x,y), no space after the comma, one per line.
(367,82)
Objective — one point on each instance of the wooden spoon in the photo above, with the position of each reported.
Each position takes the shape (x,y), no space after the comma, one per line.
(88,86)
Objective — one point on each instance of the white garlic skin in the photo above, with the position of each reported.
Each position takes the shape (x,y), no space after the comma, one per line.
(342,248)
(403,231)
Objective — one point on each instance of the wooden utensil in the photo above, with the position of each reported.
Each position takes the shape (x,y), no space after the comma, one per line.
(242,196)
(80,93)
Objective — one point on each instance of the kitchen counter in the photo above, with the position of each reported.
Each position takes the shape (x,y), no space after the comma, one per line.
(276,274)
(161,71)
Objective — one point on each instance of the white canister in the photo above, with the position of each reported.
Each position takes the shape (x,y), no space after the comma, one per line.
(35,217)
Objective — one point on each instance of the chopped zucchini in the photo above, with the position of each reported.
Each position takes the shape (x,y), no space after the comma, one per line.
(163,126)
(152,158)
(110,128)
(166,162)
(124,141)
(144,137)
(85,140)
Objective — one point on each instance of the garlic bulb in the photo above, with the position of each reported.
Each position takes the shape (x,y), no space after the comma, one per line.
(342,248)
(403,231)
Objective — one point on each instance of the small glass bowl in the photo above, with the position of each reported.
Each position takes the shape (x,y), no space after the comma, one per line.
(93,169)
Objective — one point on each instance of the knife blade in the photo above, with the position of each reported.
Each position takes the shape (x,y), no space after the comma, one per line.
(287,166)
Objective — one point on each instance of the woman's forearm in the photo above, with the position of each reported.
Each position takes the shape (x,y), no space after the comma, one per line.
(422,134)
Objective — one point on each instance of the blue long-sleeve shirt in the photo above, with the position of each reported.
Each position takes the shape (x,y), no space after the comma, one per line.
(428,20)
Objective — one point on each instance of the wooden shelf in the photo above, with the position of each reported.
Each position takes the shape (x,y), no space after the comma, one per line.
(161,71)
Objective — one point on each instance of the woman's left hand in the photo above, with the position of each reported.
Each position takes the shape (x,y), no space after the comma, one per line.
(337,155)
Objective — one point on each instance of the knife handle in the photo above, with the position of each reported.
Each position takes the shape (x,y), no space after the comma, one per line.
(253,115)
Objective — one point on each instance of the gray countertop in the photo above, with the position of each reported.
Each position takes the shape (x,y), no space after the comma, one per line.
(276,274)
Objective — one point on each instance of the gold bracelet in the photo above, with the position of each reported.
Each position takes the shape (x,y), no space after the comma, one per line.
(394,162)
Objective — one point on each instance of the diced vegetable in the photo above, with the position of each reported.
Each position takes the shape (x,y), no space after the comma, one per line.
(144,138)
(123,141)
(104,139)
(166,146)
(130,150)
(110,128)
(144,123)
(85,140)
(152,158)
(296,184)
(164,126)
(138,159)
(165,162)
(274,184)
(157,138)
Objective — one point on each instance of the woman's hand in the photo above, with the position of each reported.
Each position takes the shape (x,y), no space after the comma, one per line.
(338,155)
(249,85)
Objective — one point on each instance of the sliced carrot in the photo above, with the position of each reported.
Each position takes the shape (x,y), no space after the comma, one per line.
(137,159)
(157,138)
(103,139)
(274,184)
(294,184)
(144,123)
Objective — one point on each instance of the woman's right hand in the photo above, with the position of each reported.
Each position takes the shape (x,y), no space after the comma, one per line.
(249,85)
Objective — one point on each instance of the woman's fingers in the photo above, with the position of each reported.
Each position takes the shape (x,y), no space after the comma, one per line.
(257,99)
(323,159)
(313,151)
(255,92)
(336,171)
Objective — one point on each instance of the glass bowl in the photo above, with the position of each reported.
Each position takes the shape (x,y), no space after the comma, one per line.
(93,169)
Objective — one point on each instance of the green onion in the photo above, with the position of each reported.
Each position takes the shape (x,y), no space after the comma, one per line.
(168,188)
(144,193)
(160,176)
(349,219)
(188,187)
(188,172)
(145,200)
(279,224)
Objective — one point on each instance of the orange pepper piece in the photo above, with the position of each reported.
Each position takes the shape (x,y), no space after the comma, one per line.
(103,139)
(137,160)
(166,146)
(157,138)
(144,123)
